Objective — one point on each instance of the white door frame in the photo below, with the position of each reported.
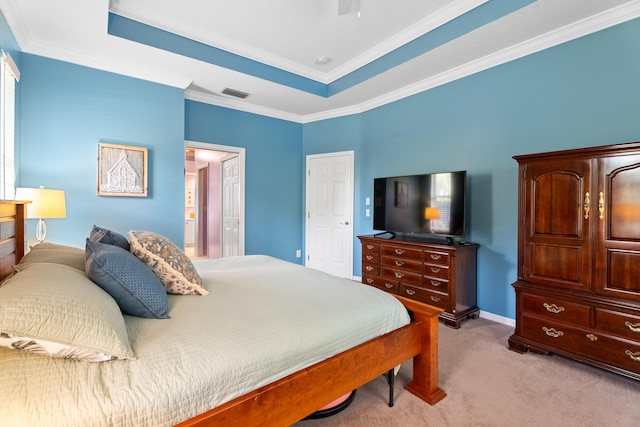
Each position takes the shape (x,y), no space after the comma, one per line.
(349,251)
(241,181)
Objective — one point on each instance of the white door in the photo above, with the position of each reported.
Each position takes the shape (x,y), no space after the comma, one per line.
(329,219)
(230,206)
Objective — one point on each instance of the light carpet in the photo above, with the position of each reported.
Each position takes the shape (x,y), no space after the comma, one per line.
(489,385)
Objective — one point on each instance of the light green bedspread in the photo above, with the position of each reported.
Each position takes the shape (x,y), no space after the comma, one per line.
(263,320)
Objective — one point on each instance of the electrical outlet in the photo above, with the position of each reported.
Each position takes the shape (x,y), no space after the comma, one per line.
(298,253)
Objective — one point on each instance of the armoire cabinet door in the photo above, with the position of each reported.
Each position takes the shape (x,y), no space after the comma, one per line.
(618,251)
(557,211)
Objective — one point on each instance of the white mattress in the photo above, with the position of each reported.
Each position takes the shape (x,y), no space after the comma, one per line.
(263,320)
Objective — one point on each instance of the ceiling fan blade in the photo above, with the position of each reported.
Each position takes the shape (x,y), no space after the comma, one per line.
(345,7)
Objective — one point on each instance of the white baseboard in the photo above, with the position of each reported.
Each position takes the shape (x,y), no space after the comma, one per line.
(484,314)
(497,318)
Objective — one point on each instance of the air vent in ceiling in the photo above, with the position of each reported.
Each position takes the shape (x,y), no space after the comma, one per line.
(236,93)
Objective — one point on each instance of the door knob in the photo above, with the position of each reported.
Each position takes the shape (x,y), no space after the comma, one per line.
(345,223)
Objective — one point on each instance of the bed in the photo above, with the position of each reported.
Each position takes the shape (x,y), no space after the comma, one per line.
(345,334)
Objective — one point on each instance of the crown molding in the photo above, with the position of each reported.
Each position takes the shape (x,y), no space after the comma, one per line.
(231,47)
(615,16)
(574,31)
(123,68)
(441,17)
(425,26)
(16,22)
(233,104)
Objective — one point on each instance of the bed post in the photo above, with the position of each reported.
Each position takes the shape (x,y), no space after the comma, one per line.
(425,364)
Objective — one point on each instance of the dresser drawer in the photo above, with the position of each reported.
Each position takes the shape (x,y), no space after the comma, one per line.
(437,299)
(618,323)
(562,336)
(370,258)
(556,309)
(390,286)
(371,247)
(619,352)
(436,257)
(398,251)
(401,275)
(370,269)
(405,264)
(436,271)
(436,284)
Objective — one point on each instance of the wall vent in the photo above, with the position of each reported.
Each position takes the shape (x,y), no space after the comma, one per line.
(236,93)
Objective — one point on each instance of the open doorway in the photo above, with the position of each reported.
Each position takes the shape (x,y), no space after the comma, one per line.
(208,201)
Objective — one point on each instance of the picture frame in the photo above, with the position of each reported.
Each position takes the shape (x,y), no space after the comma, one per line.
(401,194)
(122,170)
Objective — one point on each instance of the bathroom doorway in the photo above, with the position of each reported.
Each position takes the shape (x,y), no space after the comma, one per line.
(209,199)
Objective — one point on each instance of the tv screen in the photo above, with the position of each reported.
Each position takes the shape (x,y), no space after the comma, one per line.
(425,204)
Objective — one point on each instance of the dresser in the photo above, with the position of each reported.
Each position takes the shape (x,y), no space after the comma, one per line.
(424,270)
(578,285)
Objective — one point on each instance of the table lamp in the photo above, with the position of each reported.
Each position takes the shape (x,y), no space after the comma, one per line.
(45,203)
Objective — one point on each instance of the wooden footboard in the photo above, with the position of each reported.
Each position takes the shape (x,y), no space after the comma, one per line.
(292,398)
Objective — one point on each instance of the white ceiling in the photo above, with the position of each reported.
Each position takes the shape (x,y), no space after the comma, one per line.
(291,34)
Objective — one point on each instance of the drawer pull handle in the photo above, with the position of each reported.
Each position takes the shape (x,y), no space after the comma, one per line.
(634,327)
(399,251)
(369,257)
(399,275)
(435,256)
(369,268)
(435,283)
(435,269)
(370,247)
(633,356)
(410,292)
(399,263)
(592,337)
(435,299)
(587,205)
(601,205)
(388,285)
(369,281)
(552,332)
(553,308)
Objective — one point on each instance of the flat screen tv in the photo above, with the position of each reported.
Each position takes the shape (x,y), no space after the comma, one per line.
(432,204)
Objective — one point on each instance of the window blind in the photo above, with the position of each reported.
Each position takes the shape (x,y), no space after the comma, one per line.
(9,75)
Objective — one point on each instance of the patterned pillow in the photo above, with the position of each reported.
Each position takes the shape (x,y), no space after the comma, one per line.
(109,237)
(56,310)
(174,269)
(130,282)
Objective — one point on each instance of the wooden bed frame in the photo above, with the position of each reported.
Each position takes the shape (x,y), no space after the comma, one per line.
(294,397)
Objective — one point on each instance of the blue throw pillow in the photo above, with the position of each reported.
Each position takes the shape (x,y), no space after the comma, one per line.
(133,285)
(110,237)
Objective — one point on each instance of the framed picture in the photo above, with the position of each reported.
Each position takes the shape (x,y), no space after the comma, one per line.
(122,170)
(402,194)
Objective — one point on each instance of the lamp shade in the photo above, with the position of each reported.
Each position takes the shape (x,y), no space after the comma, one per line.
(431,213)
(45,203)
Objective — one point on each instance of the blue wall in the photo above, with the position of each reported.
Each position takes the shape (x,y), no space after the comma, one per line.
(273,173)
(583,93)
(66,111)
